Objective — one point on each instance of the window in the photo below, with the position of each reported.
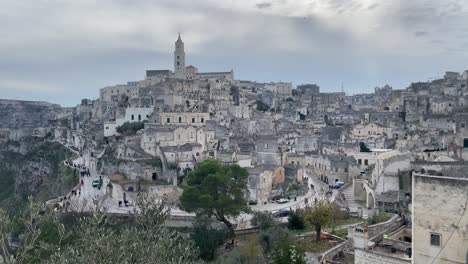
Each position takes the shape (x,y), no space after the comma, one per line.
(133,117)
(180,119)
(178,63)
(178,57)
(435,240)
(359,161)
(345,170)
(139,117)
(366,162)
(202,120)
(193,119)
(266,146)
(168,120)
(462,125)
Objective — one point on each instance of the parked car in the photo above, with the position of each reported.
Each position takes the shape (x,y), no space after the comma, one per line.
(339,184)
(282,201)
(97,183)
(281,213)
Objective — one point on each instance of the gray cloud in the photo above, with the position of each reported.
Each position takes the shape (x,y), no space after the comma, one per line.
(373,6)
(421,33)
(263,5)
(80,46)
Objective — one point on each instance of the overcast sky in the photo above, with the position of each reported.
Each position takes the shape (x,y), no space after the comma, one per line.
(64,50)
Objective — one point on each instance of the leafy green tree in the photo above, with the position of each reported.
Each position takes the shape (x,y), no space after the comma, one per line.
(296,220)
(215,189)
(286,252)
(206,238)
(263,220)
(320,215)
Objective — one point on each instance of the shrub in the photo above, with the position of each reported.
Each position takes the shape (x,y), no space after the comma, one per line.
(130,128)
(206,238)
(296,220)
(261,106)
(287,253)
(272,235)
(263,220)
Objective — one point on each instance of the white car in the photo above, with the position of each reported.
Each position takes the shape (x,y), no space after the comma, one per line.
(282,201)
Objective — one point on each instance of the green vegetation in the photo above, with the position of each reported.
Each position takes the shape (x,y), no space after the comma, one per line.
(363,147)
(261,106)
(215,189)
(286,253)
(262,220)
(296,220)
(309,244)
(340,232)
(7,183)
(130,128)
(206,238)
(39,173)
(321,215)
(155,162)
(43,238)
(379,218)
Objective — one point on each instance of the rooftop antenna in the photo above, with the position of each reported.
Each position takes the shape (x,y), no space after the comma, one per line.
(342,88)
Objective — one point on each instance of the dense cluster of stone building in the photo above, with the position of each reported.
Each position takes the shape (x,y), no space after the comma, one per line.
(398,151)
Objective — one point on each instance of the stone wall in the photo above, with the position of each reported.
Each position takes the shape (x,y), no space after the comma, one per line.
(439,209)
(342,247)
(371,257)
(392,223)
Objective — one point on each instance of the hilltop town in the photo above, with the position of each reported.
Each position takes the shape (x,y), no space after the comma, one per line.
(395,153)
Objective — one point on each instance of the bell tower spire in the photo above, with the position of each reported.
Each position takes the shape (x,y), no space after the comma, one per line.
(179,58)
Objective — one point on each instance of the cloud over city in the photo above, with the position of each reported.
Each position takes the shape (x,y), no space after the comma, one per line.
(84,45)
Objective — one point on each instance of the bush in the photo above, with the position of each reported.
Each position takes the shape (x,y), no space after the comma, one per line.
(130,128)
(296,220)
(261,106)
(206,238)
(273,235)
(287,253)
(263,220)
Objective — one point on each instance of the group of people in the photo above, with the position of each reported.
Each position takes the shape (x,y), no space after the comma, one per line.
(84,171)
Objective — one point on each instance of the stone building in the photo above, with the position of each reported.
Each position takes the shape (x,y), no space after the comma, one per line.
(267,150)
(440,221)
(332,168)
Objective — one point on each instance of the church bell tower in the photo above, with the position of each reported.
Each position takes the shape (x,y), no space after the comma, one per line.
(179,58)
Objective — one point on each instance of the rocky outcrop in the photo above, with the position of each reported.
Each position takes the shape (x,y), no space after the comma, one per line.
(33,166)
(26,114)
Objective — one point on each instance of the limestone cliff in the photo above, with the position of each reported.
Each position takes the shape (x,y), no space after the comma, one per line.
(33,166)
(26,114)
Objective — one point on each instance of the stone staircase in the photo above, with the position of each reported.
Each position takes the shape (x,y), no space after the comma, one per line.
(353,205)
